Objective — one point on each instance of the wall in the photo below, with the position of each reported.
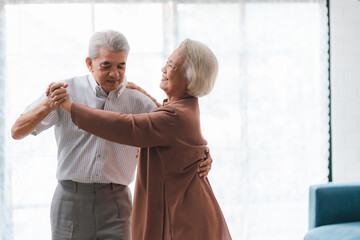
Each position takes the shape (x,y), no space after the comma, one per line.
(345,89)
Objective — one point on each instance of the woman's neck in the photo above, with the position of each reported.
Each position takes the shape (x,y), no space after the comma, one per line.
(173,98)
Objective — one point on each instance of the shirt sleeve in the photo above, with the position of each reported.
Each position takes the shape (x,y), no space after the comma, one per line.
(143,103)
(149,106)
(141,130)
(48,122)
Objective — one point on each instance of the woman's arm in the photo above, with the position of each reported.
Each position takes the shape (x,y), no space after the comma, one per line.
(140,130)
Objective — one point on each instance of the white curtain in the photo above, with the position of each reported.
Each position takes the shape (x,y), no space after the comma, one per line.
(5,177)
(266,120)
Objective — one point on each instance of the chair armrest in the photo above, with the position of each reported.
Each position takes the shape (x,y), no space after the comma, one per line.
(334,203)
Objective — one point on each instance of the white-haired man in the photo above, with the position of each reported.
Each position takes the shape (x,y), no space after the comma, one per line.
(92,199)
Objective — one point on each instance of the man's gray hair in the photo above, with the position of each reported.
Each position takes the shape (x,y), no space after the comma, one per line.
(200,66)
(110,40)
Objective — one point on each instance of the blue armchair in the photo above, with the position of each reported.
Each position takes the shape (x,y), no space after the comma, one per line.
(334,212)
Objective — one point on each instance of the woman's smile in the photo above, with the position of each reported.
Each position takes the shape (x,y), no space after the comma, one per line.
(164,78)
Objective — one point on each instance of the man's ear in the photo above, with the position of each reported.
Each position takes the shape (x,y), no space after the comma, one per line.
(89,64)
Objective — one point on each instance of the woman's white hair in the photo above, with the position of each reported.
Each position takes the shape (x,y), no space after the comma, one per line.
(200,66)
(110,40)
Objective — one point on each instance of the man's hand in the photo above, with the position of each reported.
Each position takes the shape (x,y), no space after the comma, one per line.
(57,94)
(205,165)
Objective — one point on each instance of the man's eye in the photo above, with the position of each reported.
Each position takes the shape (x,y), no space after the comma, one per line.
(105,67)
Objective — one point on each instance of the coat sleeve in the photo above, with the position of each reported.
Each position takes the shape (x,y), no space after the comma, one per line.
(141,130)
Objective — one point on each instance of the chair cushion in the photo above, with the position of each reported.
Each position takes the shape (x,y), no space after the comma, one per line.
(343,231)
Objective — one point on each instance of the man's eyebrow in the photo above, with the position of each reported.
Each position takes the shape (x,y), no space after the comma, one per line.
(108,63)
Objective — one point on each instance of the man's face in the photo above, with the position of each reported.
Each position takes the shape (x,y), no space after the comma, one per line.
(108,68)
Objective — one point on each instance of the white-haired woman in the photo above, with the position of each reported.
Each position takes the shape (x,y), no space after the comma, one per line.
(171,201)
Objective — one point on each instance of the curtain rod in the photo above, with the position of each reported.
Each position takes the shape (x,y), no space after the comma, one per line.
(153,1)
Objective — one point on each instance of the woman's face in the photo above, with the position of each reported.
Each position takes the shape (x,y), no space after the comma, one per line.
(173,80)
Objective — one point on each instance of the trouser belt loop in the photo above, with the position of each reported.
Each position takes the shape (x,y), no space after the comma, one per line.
(112,186)
(75,187)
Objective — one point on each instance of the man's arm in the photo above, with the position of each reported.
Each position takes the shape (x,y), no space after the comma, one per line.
(28,121)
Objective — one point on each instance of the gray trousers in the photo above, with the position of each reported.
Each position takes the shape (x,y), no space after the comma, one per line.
(83,211)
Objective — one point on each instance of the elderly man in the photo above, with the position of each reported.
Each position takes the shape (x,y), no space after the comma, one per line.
(92,199)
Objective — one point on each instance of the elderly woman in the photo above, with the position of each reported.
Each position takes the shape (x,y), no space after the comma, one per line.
(171,201)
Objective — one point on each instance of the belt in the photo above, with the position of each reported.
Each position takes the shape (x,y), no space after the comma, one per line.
(90,187)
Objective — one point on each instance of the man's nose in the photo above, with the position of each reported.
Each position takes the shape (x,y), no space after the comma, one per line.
(114,73)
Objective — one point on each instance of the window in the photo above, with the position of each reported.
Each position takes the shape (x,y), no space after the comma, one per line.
(266,120)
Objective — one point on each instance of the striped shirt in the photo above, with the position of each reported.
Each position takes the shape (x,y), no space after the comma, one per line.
(83,157)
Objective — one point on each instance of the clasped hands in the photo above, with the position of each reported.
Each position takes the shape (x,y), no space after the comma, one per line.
(58,97)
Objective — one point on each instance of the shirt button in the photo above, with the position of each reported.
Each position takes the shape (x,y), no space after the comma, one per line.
(99,155)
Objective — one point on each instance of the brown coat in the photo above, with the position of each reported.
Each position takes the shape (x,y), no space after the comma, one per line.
(171,201)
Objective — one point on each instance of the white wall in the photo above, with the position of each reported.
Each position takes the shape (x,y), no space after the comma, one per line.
(345,89)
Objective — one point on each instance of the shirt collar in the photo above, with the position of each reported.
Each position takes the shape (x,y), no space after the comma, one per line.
(100,92)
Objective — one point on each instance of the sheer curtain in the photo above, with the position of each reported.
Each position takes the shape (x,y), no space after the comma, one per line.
(266,120)
(5,185)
